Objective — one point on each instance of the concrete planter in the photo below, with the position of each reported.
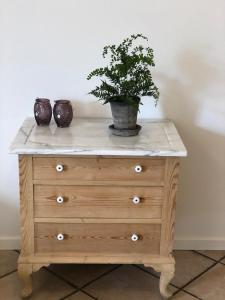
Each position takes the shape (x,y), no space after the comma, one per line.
(124,115)
(124,119)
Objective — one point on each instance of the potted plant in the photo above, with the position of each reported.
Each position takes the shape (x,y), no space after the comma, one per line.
(126,78)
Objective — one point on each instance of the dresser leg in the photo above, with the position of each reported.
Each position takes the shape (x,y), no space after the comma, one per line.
(24,273)
(167,273)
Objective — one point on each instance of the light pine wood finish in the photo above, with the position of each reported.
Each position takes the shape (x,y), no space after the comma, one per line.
(98,216)
(98,183)
(96,221)
(98,258)
(26,204)
(167,271)
(100,169)
(95,238)
(24,272)
(170,191)
(27,223)
(98,202)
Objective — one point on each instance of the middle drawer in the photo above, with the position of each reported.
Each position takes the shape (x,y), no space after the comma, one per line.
(98,201)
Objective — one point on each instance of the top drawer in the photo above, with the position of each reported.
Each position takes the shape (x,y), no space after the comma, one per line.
(150,170)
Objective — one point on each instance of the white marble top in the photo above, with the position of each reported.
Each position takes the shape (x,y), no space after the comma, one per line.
(88,136)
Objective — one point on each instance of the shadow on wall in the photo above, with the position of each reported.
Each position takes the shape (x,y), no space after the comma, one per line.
(89,108)
(181,98)
(202,189)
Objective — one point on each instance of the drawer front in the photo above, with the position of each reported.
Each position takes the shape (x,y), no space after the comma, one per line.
(97,238)
(98,201)
(150,170)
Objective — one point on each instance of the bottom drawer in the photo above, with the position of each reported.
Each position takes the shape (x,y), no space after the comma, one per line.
(97,238)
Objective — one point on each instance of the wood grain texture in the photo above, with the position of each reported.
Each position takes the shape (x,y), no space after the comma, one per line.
(98,202)
(97,238)
(167,274)
(24,273)
(167,271)
(98,216)
(96,221)
(26,204)
(113,183)
(100,169)
(169,208)
(36,267)
(97,258)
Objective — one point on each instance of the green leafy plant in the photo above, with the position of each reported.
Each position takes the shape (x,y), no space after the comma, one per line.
(128,75)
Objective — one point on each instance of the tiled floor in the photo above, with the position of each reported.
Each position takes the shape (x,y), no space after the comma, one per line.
(199,275)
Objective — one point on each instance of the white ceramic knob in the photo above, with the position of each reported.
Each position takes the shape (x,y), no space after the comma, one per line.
(138,169)
(59,168)
(60,237)
(134,237)
(136,200)
(60,199)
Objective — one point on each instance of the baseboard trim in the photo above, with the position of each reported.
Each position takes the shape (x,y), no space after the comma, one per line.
(199,244)
(11,243)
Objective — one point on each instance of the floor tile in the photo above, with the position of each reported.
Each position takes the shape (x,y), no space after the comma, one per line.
(211,285)
(215,254)
(183,296)
(45,286)
(8,261)
(79,296)
(188,265)
(126,283)
(80,274)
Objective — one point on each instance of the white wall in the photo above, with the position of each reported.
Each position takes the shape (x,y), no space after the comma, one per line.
(47,47)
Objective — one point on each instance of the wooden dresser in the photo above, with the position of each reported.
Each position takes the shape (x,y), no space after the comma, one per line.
(89,197)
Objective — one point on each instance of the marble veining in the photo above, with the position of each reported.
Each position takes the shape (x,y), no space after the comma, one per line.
(88,136)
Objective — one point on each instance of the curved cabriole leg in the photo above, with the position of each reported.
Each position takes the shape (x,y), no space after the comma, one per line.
(167,274)
(25,272)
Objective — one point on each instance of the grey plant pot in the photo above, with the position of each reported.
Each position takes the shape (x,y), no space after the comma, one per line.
(124,115)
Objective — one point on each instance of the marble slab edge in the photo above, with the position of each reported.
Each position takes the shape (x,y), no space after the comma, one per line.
(98,152)
(19,144)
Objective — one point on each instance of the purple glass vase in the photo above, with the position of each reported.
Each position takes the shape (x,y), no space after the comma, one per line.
(63,113)
(42,111)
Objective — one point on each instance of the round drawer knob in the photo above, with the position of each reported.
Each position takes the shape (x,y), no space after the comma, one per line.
(60,237)
(59,168)
(134,237)
(138,169)
(136,200)
(60,199)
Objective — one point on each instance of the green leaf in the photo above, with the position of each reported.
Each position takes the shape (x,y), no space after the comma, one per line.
(128,72)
